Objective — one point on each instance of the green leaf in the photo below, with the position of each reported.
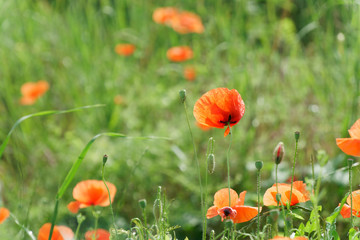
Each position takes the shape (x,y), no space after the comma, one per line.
(294,215)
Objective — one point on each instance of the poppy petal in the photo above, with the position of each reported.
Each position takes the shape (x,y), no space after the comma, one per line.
(74,206)
(93,192)
(301,187)
(355,200)
(101,234)
(44,233)
(66,232)
(227,131)
(241,198)
(221,198)
(245,213)
(350,146)
(212,212)
(354,131)
(4,214)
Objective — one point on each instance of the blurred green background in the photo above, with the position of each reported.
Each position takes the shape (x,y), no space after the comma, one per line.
(294,62)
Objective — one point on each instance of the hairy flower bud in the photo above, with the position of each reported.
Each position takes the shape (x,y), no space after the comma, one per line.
(182,94)
(297,135)
(258,165)
(279,153)
(142,203)
(105,158)
(211,163)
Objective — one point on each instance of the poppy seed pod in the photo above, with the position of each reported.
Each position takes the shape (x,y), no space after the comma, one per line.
(279,153)
(211,163)
(258,165)
(182,94)
(297,135)
(142,203)
(105,158)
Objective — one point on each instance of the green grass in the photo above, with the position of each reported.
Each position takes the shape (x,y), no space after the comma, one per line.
(283,57)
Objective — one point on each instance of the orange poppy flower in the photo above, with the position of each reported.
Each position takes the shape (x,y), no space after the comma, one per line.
(31,91)
(164,15)
(351,146)
(346,209)
(189,73)
(179,54)
(91,193)
(4,214)
(287,238)
(300,194)
(125,49)
(187,22)
(236,210)
(59,233)
(101,234)
(202,127)
(218,107)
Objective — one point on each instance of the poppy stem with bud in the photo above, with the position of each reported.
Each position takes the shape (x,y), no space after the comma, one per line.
(105,158)
(297,136)
(258,165)
(182,94)
(350,162)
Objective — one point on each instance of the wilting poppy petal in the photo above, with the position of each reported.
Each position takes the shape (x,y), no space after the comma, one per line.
(179,53)
(4,214)
(44,233)
(244,213)
(101,234)
(125,49)
(218,107)
(66,232)
(93,192)
(212,212)
(350,146)
(74,206)
(221,198)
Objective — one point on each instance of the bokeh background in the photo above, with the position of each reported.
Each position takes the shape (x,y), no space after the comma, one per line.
(294,62)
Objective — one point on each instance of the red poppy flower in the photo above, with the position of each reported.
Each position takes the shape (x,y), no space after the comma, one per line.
(179,54)
(219,107)
(346,209)
(300,194)
(164,15)
(189,73)
(4,214)
(125,49)
(31,91)
(91,193)
(187,22)
(59,233)
(101,234)
(351,146)
(235,211)
(287,238)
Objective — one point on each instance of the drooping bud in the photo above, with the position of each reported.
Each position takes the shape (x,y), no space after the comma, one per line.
(279,153)
(211,163)
(142,203)
(258,165)
(297,135)
(182,94)
(105,158)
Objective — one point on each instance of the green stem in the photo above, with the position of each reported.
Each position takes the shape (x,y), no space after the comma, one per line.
(197,164)
(111,208)
(228,162)
(258,195)
(206,182)
(96,215)
(293,168)
(351,196)
(54,217)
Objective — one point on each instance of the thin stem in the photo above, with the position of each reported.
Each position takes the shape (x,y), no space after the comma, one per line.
(54,218)
(228,162)
(293,168)
(197,164)
(107,188)
(258,195)
(351,196)
(209,149)
(96,215)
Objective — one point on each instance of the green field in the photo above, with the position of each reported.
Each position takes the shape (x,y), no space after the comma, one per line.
(294,62)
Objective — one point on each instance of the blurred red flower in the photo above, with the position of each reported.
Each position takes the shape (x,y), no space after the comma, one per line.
(125,49)
(31,91)
(179,53)
(101,234)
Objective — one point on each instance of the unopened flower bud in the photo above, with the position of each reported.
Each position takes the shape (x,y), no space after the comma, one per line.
(182,94)
(229,223)
(297,135)
(105,158)
(211,163)
(258,165)
(142,203)
(279,153)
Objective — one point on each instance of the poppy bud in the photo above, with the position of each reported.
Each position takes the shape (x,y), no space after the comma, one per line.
(297,135)
(279,153)
(142,203)
(278,197)
(258,165)
(105,158)
(211,163)
(229,223)
(182,94)
(350,162)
